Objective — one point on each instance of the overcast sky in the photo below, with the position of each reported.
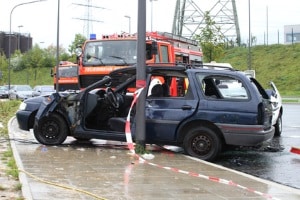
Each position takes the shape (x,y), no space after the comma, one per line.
(40,19)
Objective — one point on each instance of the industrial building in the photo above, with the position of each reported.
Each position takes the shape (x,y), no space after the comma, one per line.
(291,34)
(18,41)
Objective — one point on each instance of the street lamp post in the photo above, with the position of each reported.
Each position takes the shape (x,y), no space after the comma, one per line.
(129,21)
(19,38)
(42,42)
(152,13)
(9,37)
(250,39)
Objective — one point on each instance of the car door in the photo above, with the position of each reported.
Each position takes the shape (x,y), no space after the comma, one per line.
(225,99)
(164,113)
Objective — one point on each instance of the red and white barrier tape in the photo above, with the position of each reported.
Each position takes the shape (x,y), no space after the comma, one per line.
(210,178)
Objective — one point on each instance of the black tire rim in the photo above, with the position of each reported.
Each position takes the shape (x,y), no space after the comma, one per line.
(50,129)
(201,145)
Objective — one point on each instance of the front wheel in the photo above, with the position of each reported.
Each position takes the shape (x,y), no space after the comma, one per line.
(51,130)
(202,143)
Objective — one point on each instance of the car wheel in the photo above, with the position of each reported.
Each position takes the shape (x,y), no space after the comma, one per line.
(51,130)
(203,143)
(278,126)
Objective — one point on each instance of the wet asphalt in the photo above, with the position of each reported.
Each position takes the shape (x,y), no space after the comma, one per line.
(101,169)
(273,160)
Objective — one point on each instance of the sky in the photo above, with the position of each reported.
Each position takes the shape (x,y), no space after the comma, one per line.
(40,19)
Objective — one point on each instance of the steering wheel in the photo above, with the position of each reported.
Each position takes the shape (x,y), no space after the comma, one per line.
(112,98)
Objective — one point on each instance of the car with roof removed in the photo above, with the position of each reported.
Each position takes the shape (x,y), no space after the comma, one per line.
(200,116)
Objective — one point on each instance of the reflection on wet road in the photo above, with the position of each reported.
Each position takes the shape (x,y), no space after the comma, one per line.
(272,161)
(102,169)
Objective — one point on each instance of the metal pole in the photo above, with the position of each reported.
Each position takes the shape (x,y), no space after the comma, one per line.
(57,48)
(19,38)
(141,75)
(129,21)
(250,41)
(152,14)
(267,26)
(9,38)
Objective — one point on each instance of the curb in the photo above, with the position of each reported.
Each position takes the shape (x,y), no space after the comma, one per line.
(22,177)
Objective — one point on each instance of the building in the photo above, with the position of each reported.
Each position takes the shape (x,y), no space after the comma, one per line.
(18,41)
(291,34)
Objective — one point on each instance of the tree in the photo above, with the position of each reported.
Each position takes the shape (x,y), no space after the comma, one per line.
(52,51)
(79,40)
(16,61)
(34,58)
(211,40)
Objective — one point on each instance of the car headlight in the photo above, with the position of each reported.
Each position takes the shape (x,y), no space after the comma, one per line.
(22,106)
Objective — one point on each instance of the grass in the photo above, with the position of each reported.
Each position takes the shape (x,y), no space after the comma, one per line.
(277,63)
(8,110)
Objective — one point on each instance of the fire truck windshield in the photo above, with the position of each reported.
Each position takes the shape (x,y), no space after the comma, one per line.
(110,52)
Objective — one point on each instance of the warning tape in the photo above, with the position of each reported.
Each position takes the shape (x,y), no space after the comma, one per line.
(194,174)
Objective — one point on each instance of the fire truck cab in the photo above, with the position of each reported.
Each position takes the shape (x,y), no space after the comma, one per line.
(98,57)
(65,76)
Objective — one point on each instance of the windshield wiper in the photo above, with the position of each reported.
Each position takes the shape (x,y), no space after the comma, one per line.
(120,58)
(93,57)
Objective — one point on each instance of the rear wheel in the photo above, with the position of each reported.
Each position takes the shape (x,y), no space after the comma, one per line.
(203,143)
(51,130)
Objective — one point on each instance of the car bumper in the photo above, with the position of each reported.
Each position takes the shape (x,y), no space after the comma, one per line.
(25,119)
(244,135)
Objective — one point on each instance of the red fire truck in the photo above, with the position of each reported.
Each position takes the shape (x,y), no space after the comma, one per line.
(98,57)
(68,76)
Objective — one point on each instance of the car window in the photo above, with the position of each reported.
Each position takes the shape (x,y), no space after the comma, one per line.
(222,87)
(23,88)
(47,88)
(169,86)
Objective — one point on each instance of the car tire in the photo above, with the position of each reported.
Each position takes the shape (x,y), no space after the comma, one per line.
(51,130)
(202,143)
(278,126)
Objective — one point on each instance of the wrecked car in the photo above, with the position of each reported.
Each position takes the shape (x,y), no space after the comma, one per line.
(199,109)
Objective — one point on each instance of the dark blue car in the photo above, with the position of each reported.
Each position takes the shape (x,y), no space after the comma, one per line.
(201,109)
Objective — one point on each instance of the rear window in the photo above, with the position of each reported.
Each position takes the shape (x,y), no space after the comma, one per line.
(222,87)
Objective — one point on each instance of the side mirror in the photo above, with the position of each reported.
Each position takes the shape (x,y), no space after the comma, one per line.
(151,49)
(78,51)
(154,48)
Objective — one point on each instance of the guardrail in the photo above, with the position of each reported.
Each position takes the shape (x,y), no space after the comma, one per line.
(291,99)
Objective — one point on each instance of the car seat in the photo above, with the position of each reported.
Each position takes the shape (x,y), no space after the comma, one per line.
(157,91)
(166,90)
